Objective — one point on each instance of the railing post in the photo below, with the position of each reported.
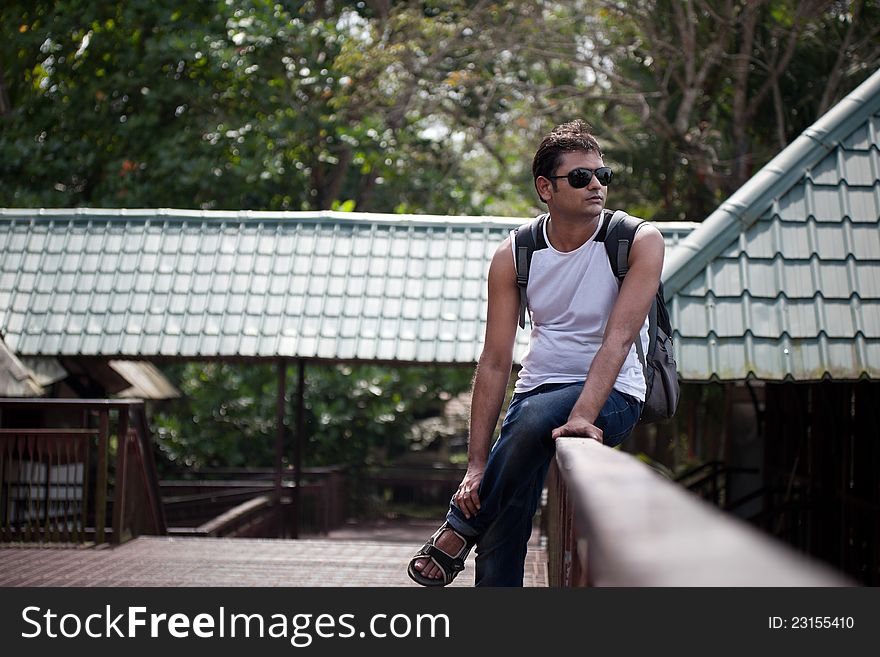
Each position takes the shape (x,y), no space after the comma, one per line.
(119,487)
(6,529)
(28,443)
(48,524)
(86,447)
(101,476)
(149,468)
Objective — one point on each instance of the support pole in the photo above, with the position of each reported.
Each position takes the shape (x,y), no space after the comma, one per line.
(297,445)
(279,441)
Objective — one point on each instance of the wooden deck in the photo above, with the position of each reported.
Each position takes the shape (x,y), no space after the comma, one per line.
(170,562)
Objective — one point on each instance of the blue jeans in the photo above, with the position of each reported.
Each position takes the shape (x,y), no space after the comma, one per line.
(515,473)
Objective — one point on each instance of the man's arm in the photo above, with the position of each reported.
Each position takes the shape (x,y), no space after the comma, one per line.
(626,320)
(492,374)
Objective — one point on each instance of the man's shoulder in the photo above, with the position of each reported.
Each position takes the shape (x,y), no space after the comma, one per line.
(632,226)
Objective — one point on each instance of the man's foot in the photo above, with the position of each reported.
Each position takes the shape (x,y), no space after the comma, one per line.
(442,558)
(450,543)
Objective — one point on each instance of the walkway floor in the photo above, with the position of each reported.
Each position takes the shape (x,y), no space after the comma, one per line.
(347,557)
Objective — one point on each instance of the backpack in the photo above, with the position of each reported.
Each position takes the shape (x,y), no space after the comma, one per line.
(658,363)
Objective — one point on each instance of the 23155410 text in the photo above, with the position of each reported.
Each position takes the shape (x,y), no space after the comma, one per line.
(811,623)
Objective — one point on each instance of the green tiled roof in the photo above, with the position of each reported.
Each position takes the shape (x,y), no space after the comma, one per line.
(782,282)
(175,283)
(171,283)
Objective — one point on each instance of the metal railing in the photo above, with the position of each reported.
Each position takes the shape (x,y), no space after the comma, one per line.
(76,470)
(613,521)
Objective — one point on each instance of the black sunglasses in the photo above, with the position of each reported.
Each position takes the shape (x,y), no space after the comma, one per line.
(581,177)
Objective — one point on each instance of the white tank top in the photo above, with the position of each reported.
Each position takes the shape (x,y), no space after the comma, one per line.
(570,299)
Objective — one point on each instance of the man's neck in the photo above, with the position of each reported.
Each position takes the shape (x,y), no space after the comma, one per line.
(567,234)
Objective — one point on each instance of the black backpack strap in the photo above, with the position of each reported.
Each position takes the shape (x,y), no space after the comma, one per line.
(526,240)
(618,232)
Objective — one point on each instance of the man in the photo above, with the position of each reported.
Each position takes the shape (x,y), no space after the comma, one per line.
(580,377)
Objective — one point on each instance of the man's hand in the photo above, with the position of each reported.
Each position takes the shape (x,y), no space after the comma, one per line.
(578,427)
(467,496)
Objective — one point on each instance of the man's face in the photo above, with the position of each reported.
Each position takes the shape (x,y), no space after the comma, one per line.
(563,199)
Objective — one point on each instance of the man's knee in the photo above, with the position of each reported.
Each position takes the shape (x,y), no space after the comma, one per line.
(531,423)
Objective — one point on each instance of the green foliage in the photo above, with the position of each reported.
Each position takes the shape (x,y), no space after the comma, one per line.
(225,417)
(407,106)
(354,415)
(247,105)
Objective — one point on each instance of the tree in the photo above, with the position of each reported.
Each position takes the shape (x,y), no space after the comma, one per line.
(718,87)
(255,105)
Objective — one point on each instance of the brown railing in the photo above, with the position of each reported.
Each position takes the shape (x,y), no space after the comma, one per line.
(196,498)
(74,471)
(613,521)
(44,485)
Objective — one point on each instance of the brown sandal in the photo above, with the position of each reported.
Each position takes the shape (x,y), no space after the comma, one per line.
(449,564)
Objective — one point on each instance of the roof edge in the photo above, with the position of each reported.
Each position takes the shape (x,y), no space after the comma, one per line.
(49,214)
(743,207)
(256,216)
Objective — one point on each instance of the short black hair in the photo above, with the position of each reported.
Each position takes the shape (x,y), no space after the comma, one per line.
(572,137)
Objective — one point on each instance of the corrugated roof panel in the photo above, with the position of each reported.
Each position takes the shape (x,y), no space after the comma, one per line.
(866,242)
(762,240)
(208,346)
(51,343)
(868,276)
(866,318)
(193,324)
(825,205)
(777,360)
(12,261)
(213,324)
(7,281)
(25,282)
(802,319)
(800,279)
(859,140)
(45,281)
(798,252)
(18,239)
(796,240)
(69,262)
(71,343)
(770,318)
(792,206)
(692,316)
(36,240)
(826,172)
(863,204)
(861,167)
(723,277)
(838,318)
(149,344)
(31,262)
